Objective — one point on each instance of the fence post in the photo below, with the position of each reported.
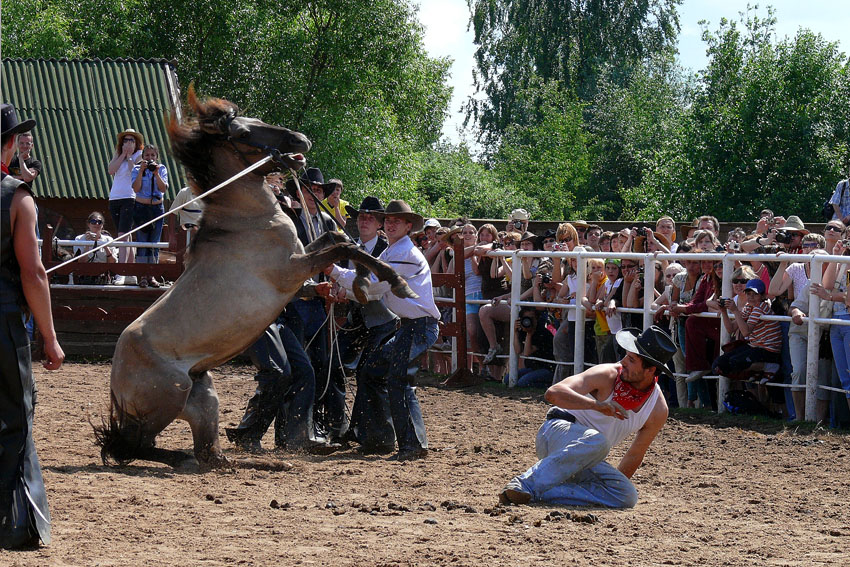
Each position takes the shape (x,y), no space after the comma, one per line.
(516,283)
(725,291)
(648,289)
(581,293)
(813,342)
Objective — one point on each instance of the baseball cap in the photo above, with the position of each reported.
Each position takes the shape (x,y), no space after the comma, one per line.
(756,285)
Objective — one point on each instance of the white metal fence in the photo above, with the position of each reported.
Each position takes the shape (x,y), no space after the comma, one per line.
(649,271)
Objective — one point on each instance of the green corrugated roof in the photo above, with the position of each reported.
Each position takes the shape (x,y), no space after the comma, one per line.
(80,106)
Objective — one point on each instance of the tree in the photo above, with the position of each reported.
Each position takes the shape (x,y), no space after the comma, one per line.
(769,127)
(567,42)
(352,75)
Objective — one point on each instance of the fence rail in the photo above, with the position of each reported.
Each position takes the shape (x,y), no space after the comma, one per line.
(729,259)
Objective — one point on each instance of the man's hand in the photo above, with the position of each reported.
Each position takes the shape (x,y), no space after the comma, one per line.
(797,317)
(611,409)
(53,355)
(324,290)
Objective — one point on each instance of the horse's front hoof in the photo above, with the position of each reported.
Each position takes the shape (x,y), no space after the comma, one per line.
(401,289)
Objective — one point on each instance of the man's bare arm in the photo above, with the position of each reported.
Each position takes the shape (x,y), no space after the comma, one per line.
(572,392)
(645,435)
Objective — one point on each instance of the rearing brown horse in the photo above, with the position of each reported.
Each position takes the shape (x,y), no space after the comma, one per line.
(244,266)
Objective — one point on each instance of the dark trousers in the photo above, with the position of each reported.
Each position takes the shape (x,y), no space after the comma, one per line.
(306,319)
(351,344)
(742,358)
(702,342)
(285,390)
(23,499)
(391,396)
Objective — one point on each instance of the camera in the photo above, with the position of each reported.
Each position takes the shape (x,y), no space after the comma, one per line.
(641,231)
(518,224)
(152,165)
(497,245)
(526,322)
(545,278)
(723,302)
(733,246)
(783,237)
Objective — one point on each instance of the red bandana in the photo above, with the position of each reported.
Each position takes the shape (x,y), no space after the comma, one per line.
(627,395)
(4,168)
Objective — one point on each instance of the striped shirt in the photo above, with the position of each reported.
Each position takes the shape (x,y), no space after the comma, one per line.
(763,334)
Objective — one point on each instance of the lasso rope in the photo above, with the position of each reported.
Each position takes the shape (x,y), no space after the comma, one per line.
(242,173)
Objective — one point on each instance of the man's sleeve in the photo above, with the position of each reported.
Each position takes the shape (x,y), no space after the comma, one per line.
(36,165)
(836,196)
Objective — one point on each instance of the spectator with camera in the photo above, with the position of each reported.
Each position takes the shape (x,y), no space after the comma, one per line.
(761,340)
(122,197)
(564,341)
(495,311)
(667,228)
(832,233)
(532,338)
(92,238)
(518,221)
(834,290)
(566,239)
(150,182)
(798,335)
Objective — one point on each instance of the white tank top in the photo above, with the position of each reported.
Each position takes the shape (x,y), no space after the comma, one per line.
(613,429)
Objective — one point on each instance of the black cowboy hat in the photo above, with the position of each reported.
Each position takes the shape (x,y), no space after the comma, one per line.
(10,124)
(399,208)
(313,176)
(369,205)
(653,345)
(550,233)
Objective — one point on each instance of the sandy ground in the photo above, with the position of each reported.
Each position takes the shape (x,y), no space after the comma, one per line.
(712,492)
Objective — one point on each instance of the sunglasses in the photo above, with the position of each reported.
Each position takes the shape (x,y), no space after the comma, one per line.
(718,265)
(95,221)
(739,280)
(833,229)
(129,140)
(549,241)
(810,244)
(568,239)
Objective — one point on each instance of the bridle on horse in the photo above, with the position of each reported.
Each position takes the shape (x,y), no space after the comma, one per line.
(225,125)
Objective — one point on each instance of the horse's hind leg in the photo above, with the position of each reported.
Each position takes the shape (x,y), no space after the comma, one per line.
(201,412)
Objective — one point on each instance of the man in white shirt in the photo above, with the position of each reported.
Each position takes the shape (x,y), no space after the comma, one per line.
(385,371)
(595,411)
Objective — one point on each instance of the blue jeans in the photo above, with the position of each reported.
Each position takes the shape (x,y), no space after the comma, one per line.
(572,470)
(839,336)
(385,379)
(141,214)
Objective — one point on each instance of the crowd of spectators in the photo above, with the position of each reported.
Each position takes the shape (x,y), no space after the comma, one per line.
(686,299)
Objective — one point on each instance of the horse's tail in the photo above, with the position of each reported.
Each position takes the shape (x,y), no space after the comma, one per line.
(122,439)
(119,436)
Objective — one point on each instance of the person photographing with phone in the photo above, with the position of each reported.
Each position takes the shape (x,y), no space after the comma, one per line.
(149,182)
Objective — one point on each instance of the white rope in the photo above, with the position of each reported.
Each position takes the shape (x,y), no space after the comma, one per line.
(242,173)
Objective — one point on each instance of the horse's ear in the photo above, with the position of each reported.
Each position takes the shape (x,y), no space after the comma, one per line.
(192,98)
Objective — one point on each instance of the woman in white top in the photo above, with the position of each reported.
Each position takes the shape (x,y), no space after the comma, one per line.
(122,198)
(94,233)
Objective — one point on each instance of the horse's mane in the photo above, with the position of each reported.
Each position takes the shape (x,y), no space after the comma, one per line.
(192,140)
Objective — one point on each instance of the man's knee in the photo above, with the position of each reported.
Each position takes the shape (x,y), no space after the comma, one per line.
(629,497)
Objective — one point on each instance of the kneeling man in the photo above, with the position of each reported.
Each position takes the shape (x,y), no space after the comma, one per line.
(595,411)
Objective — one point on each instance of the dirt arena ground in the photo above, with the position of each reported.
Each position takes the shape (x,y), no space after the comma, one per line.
(712,492)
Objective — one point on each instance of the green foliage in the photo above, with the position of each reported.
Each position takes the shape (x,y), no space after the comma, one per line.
(768,127)
(547,156)
(352,75)
(569,43)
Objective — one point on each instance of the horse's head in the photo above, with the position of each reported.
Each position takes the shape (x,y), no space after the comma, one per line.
(236,141)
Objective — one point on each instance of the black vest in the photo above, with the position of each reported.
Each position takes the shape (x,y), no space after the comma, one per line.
(11,290)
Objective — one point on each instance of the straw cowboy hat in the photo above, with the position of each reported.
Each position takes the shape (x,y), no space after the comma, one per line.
(794,224)
(653,345)
(402,210)
(119,139)
(684,229)
(10,124)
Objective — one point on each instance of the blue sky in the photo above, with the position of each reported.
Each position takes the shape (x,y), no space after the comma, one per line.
(446,34)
